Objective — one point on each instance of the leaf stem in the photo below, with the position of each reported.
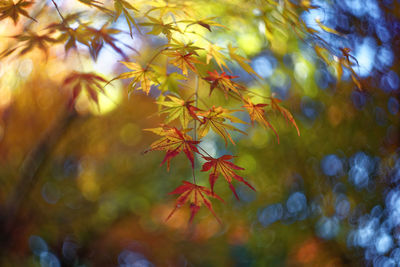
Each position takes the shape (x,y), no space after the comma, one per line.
(202,149)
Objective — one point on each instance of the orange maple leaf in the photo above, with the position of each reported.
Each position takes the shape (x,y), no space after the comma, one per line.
(213,52)
(141,75)
(223,166)
(242,61)
(256,113)
(286,113)
(217,119)
(173,142)
(206,23)
(196,195)
(223,82)
(184,61)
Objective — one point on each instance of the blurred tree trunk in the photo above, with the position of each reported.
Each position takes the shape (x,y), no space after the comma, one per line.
(30,169)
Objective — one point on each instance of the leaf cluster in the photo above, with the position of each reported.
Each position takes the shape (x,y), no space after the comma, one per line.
(188,118)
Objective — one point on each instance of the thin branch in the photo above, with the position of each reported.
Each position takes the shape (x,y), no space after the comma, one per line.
(58,10)
(155,56)
(196,96)
(193,174)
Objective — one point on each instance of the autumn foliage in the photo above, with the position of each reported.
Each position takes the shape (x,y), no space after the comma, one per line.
(183,75)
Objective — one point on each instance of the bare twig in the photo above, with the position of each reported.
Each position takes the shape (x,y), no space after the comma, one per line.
(58,10)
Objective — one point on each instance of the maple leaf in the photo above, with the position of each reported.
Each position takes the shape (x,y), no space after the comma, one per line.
(95,4)
(179,108)
(223,82)
(183,61)
(173,141)
(9,9)
(159,26)
(216,119)
(143,78)
(284,112)
(303,5)
(68,34)
(28,41)
(242,61)
(213,52)
(91,37)
(323,53)
(256,113)
(196,195)
(122,6)
(227,169)
(89,81)
(355,79)
(325,28)
(173,8)
(345,61)
(206,23)
(183,48)
(101,36)
(340,61)
(346,54)
(168,81)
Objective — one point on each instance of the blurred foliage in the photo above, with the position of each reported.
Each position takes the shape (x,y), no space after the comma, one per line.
(329,197)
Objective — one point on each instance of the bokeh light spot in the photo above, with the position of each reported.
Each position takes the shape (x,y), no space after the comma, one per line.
(48,259)
(296,203)
(37,245)
(332,165)
(393,105)
(327,228)
(270,214)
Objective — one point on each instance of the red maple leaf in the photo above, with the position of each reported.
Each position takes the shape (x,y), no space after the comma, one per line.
(196,195)
(90,81)
(217,119)
(173,142)
(222,166)
(192,110)
(223,82)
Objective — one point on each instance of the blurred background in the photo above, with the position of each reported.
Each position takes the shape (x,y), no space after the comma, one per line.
(329,197)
